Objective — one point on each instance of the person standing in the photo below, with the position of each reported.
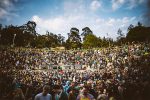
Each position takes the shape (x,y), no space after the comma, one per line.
(59,93)
(85,95)
(44,95)
(18,95)
(72,94)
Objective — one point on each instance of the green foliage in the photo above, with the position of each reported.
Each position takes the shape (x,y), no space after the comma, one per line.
(74,40)
(130,27)
(14,35)
(106,42)
(121,37)
(48,40)
(139,33)
(26,36)
(91,41)
(86,31)
(39,42)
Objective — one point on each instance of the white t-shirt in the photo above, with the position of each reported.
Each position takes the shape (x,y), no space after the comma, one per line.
(41,97)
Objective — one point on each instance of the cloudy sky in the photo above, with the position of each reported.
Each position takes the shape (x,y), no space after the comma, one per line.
(58,16)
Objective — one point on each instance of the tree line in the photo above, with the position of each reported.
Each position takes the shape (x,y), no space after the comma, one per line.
(26,36)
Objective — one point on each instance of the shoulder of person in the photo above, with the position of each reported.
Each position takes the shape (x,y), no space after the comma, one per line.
(90,95)
(78,97)
(63,93)
(49,94)
(39,94)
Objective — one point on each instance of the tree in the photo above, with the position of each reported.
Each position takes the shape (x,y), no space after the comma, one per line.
(29,27)
(121,38)
(139,33)
(60,39)
(139,24)
(29,31)
(130,27)
(105,42)
(0,33)
(51,40)
(120,34)
(74,40)
(0,26)
(12,35)
(18,35)
(39,42)
(91,41)
(86,31)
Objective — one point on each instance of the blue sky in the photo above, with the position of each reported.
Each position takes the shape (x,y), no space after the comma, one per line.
(58,16)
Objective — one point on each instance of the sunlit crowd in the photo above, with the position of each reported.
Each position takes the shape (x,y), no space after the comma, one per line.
(113,73)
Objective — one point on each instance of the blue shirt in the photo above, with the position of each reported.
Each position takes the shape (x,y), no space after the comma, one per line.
(41,97)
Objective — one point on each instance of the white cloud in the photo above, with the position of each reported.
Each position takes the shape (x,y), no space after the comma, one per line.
(6,15)
(79,18)
(57,25)
(73,6)
(6,8)
(2,13)
(95,5)
(99,26)
(99,20)
(133,3)
(6,3)
(117,4)
(110,22)
(141,1)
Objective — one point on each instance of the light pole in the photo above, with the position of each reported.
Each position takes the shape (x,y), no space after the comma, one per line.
(13,40)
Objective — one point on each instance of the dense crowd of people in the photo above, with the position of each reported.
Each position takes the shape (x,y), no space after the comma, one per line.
(114,73)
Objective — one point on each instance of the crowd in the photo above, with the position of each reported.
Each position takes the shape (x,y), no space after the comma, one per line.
(114,73)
